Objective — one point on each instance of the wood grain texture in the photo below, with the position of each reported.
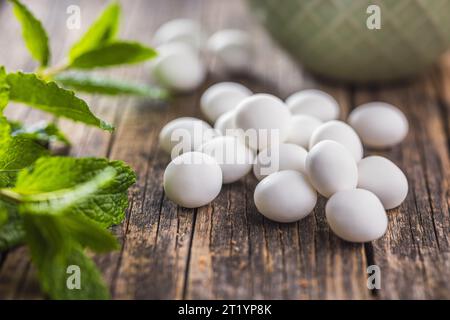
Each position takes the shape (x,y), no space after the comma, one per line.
(227,250)
(413,255)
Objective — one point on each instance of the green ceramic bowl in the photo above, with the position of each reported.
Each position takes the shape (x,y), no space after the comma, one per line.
(331,37)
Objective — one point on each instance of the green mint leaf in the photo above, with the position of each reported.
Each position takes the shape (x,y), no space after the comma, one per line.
(103,30)
(33,33)
(12,232)
(41,132)
(47,96)
(113,53)
(60,201)
(15,153)
(4,89)
(3,214)
(49,175)
(89,234)
(97,84)
(47,196)
(54,252)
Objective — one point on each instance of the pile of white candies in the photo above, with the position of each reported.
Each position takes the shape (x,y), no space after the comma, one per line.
(316,153)
(180,43)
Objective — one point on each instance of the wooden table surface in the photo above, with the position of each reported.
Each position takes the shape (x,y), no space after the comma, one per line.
(227,249)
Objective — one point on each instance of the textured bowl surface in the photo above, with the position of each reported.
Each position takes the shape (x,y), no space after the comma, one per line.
(331,37)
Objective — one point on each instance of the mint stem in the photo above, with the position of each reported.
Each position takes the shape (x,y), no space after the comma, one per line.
(10,196)
(49,73)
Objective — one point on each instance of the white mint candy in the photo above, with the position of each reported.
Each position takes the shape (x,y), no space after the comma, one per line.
(226,126)
(285,196)
(192,180)
(221,98)
(284,156)
(232,47)
(382,177)
(314,103)
(180,30)
(301,128)
(266,116)
(340,132)
(356,215)
(379,125)
(234,158)
(225,122)
(186,133)
(178,67)
(331,168)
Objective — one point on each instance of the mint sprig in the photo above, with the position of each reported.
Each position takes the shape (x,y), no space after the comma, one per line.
(99,47)
(64,205)
(61,207)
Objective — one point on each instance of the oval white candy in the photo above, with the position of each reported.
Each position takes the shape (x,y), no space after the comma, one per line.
(382,177)
(232,47)
(314,103)
(266,116)
(356,215)
(178,67)
(285,156)
(221,98)
(331,168)
(180,30)
(285,196)
(234,158)
(225,122)
(301,128)
(186,133)
(379,125)
(192,180)
(340,132)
